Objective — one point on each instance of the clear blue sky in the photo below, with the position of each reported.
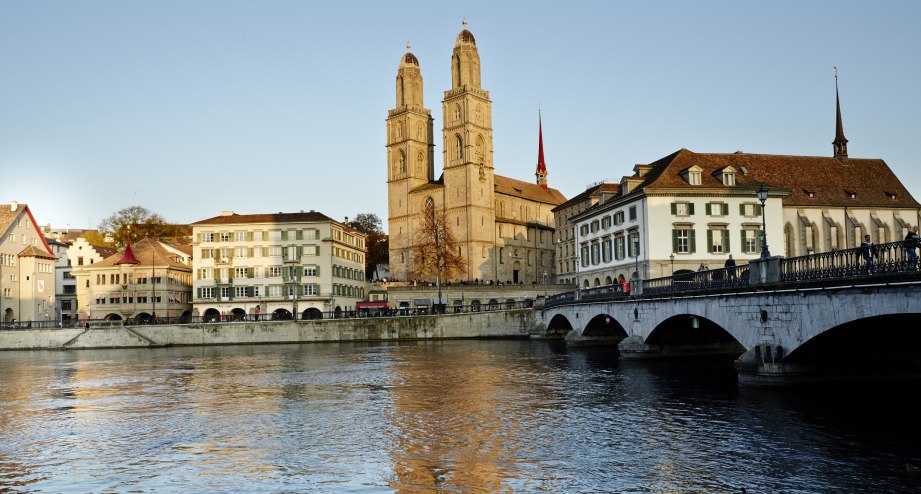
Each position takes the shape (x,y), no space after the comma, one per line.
(192,107)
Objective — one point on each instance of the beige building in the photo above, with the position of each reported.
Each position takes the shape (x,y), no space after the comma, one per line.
(27,282)
(567,252)
(503,226)
(147,279)
(273,265)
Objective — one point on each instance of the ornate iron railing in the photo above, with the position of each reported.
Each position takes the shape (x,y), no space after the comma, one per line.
(892,257)
(707,279)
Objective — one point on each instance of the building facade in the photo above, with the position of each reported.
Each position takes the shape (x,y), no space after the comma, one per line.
(65,304)
(275,265)
(567,251)
(147,280)
(503,226)
(27,282)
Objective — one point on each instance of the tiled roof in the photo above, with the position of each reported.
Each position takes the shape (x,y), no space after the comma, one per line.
(602,187)
(529,191)
(830,181)
(7,215)
(104,251)
(147,252)
(234,219)
(33,251)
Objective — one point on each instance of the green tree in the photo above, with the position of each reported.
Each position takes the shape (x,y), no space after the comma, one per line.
(136,222)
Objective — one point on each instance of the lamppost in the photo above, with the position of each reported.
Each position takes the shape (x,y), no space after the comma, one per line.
(636,255)
(671,257)
(545,285)
(294,283)
(437,270)
(762,196)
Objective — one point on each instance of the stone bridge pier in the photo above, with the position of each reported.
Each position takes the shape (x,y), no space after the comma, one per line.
(778,337)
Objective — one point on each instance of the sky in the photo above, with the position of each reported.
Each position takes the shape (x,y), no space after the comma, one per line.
(189,108)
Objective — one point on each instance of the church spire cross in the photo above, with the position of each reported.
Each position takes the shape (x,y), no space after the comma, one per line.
(840,142)
(541,172)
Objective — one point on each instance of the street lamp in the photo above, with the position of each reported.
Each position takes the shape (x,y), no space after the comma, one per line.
(437,270)
(762,196)
(636,255)
(671,257)
(545,285)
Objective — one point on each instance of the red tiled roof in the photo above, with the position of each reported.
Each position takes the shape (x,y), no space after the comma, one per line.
(525,190)
(265,218)
(33,251)
(599,188)
(146,251)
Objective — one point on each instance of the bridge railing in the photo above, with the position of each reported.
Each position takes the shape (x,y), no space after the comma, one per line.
(885,258)
(706,279)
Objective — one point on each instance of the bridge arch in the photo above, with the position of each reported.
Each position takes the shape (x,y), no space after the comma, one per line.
(559,324)
(696,335)
(604,325)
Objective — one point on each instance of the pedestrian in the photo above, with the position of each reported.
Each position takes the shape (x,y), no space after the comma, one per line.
(912,242)
(730,268)
(868,251)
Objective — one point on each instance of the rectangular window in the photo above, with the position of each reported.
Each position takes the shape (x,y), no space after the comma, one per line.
(750,209)
(683,241)
(284,234)
(596,253)
(585,256)
(206,292)
(310,271)
(299,235)
(606,249)
(311,290)
(632,213)
(225,292)
(275,251)
(594,226)
(682,208)
(619,250)
(225,236)
(718,241)
(240,291)
(606,222)
(276,271)
(717,209)
(207,237)
(583,230)
(239,272)
(241,252)
(751,241)
(619,218)
(242,236)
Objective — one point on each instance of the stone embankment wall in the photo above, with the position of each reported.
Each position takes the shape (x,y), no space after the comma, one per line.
(487,324)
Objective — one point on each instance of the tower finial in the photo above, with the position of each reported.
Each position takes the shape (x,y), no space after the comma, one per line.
(464,22)
(408,46)
(840,143)
(541,172)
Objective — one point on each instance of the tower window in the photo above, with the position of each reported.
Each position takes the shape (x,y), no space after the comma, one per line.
(402,162)
(457,112)
(458,147)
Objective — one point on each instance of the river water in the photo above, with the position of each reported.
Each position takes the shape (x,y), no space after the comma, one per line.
(435,417)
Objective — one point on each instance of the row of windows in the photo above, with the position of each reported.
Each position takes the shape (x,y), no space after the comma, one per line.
(303,290)
(131,298)
(346,254)
(288,252)
(618,248)
(24,241)
(715,209)
(7,260)
(607,221)
(257,272)
(348,273)
(247,236)
(684,241)
(141,279)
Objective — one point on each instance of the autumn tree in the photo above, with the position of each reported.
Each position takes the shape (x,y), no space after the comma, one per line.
(137,222)
(435,246)
(377,243)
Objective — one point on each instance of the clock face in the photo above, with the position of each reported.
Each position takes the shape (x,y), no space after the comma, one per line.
(41,285)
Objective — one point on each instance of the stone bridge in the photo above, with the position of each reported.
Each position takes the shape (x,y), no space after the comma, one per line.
(781,333)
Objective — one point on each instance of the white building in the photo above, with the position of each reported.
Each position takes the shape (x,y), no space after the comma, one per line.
(273,265)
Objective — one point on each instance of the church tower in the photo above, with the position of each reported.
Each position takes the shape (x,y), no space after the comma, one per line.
(840,142)
(410,158)
(469,184)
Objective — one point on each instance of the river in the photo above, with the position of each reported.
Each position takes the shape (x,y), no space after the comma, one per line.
(457,416)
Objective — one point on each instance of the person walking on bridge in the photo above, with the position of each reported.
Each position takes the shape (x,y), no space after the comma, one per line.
(868,251)
(730,266)
(912,242)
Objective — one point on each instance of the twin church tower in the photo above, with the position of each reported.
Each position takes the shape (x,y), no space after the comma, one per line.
(503,227)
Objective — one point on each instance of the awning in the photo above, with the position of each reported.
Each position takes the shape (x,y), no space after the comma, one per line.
(371,305)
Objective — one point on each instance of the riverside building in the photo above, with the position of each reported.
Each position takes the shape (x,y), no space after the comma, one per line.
(274,265)
(27,283)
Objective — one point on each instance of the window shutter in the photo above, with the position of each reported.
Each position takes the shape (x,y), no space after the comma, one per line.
(741,209)
(708,208)
(692,241)
(710,241)
(726,241)
(757,210)
(674,240)
(251,252)
(742,240)
(318,271)
(317,247)
(758,241)
(725,209)
(198,237)
(299,252)
(691,208)
(674,209)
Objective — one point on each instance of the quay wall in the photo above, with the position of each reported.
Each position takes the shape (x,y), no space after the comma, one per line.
(487,324)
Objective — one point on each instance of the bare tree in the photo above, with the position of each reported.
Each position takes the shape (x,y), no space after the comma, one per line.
(137,222)
(435,251)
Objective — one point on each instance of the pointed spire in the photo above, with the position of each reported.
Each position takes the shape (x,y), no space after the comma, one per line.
(541,165)
(128,256)
(840,142)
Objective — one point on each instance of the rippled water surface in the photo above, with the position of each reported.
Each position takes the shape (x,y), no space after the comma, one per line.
(453,416)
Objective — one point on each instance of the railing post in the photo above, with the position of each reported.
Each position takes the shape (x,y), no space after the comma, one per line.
(764,271)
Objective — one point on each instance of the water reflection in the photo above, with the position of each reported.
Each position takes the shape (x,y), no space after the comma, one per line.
(453,416)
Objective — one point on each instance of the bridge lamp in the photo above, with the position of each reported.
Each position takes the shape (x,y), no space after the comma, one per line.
(762,196)
(671,257)
(695,322)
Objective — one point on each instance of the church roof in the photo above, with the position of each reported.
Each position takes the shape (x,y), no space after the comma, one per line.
(812,180)
(529,191)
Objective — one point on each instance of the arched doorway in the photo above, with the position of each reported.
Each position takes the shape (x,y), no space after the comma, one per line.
(475,305)
(510,304)
(312,313)
(516,272)
(493,304)
(113,317)
(185,318)
(211,315)
(238,314)
(281,315)
(143,318)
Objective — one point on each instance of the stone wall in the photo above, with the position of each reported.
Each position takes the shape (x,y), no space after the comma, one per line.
(487,324)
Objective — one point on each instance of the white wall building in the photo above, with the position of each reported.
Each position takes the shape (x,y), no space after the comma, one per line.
(271,265)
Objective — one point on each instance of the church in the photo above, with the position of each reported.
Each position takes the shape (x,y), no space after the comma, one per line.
(503,227)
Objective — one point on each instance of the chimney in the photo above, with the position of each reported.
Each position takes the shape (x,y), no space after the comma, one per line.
(13,206)
(226,213)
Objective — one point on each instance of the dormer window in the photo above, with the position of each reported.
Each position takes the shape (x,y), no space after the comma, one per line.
(890,195)
(851,194)
(809,193)
(692,175)
(728,176)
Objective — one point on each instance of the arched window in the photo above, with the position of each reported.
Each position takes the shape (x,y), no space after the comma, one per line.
(457,112)
(479,148)
(399,130)
(478,113)
(458,148)
(420,132)
(401,163)
(420,163)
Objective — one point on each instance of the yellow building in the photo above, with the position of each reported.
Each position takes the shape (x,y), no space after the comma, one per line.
(503,227)
(147,279)
(26,267)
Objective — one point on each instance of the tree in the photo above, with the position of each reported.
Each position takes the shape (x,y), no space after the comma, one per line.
(435,247)
(136,222)
(377,244)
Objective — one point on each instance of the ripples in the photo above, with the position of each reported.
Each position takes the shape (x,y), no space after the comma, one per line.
(453,416)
